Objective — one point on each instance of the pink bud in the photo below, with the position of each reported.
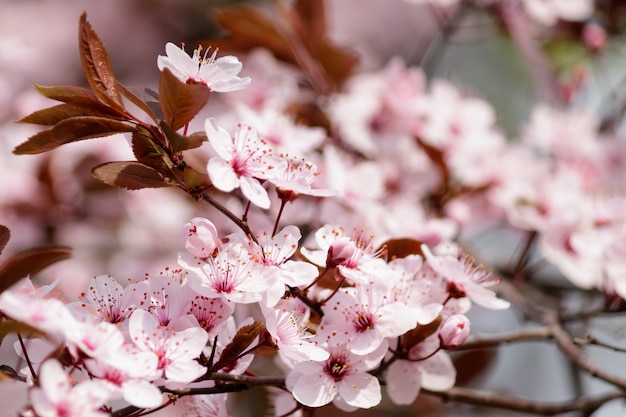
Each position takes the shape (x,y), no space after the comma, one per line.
(201,238)
(340,251)
(454,331)
(594,36)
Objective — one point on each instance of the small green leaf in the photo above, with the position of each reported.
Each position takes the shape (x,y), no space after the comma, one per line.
(96,65)
(180,101)
(242,339)
(180,142)
(131,175)
(29,262)
(72,130)
(5,235)
(67,93)
(55,114)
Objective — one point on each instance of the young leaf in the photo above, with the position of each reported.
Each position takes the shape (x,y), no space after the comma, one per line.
(96,65)
(131,175)
(137,101)
(5,235)
(71,130)
(149,152)
(182,143)
(67,93)
(180,101)
(244,338)
(55,114)
(29,262)
(401,248)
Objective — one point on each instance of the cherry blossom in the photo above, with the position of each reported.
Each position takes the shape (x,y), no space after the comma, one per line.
(434,371)
(219,74)
(56,396)
(201,237)
(354,256)
(176,346)
(465,279)
(364,316)
(232,274)
(242,162)
(341,379)
(289,333)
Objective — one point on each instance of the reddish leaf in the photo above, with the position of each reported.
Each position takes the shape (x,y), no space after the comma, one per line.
(242,339)
(71,130)
(180,142)
(141,104)
(249,28)
(180,101)
(67,94)
(401,248)
(131,175)
(313,15)
(150,153)
(55,114)
(96,65)
(29,262)
(5,235)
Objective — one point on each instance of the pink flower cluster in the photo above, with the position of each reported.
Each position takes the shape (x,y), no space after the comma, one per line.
(156,336)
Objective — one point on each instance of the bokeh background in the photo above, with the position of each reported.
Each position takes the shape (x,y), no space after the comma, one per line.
(52,199)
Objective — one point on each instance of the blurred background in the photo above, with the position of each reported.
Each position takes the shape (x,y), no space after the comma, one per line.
(52,199)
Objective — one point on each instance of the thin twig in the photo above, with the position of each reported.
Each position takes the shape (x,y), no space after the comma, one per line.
(490,399)
(525,335)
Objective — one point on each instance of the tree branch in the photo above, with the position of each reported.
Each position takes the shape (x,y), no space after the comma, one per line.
(489,399)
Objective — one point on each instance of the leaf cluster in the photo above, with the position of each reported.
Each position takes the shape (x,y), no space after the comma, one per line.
(102,111)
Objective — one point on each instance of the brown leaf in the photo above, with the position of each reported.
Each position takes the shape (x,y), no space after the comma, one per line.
(29,262)
(180,142)
(250,28)
(137,101)
(5,235)
(242,339)
(297,36)
(96,65)
(55,114)
(67,93)
(313,15)
(180,101)
(131,175)
(71,130)
(401,248)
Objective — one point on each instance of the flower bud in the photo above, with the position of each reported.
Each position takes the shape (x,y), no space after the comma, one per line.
(340,251)
(454,331)
(201,238)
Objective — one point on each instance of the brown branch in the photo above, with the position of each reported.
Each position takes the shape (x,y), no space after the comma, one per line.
(222,209)
(525,335)
(577,356)
(489,399)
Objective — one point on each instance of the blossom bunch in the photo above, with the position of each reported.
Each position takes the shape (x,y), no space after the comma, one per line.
(342,206)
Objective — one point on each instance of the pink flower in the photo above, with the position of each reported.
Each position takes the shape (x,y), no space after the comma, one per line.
(341,379)
(454,331)
(274,253)
(354,256)
(243,161)
(57,397)
(107,300)
(219,74)
(231,274)
(290,334)
(405,378)
(176,346)
(465,279)
(363,316)
(296,179)
(201,237)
